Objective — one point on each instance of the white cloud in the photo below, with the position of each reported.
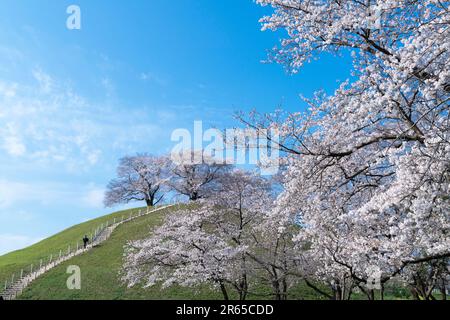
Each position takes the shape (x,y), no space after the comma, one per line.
(14,194)
(50,124)
(94,197)
(94,156)
(8,90)
(11,242)
(14,146)
(45,80)
(12,143)
(148,76)
(109,87)
(10,57)
(11,192)
(166,115)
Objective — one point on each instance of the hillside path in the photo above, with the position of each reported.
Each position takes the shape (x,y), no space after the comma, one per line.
(13,291)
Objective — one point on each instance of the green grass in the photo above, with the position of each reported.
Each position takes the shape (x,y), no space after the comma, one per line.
(15,261)
(100,267)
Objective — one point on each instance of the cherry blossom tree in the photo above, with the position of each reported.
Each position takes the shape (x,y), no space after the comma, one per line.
(139,178)
(369,166)
(366,188)
(247,199)
(196,175)
(425,278)
(224,243)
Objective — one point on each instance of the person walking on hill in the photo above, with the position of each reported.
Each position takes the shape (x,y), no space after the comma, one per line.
(85,241)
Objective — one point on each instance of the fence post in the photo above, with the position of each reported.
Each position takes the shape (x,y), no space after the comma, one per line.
(6,284)
(77,246)
(114,221)
(12,279)
(60,253)
(31,269)
(21,274)
(68,250)
(40,265)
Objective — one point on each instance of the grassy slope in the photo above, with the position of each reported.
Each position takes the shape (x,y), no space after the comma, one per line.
(22,259)
(100,273)
(100,267)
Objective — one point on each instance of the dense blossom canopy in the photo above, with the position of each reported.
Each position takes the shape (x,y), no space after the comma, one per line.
(367,170)
(370,172)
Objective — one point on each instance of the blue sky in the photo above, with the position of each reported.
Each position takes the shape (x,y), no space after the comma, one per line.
(72,102)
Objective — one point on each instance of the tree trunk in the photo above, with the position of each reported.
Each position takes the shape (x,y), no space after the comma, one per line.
(276,286)
(371,295)
(243,288)
(224,291)
(415,294)
(149,202)
(285,289)
(337,290)
(194,196)
(276,289)
(318,290)
(443,289)
(443,293)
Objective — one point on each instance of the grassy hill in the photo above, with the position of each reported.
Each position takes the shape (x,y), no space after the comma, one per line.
(22,259)
(100,271)
(100,267)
